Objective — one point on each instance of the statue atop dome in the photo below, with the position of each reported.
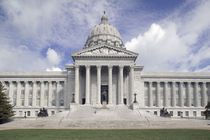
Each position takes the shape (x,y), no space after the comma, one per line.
(104,19)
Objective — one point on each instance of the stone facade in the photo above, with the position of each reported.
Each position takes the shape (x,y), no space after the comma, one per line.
(104,72)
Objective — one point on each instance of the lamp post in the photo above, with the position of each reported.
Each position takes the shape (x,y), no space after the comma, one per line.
(135,101)
(73,96)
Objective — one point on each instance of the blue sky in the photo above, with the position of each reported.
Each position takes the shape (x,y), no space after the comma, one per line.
(169,35)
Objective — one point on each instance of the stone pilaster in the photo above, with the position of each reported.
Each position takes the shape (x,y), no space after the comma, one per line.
(18,103)
(87,85)
(11,91)
(42,94)
(196,94)
(158,94)
(150,94)
(57,93)
(34,93)
(166,94)
(110,84)
(181,97)
(204,95)
(99,84)
(76,84)
(26,93)
(50,94)
(188,94)
(173,94)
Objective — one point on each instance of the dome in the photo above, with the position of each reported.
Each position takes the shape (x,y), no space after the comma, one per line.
(104,33)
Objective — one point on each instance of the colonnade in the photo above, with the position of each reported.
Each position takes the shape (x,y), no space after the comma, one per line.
(110,82)
(15,89)
(189,93)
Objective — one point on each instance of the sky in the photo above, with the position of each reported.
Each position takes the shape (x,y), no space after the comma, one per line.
(169,35)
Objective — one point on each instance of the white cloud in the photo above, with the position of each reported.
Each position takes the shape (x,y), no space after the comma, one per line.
(53,57)
(53,69)
(170,46)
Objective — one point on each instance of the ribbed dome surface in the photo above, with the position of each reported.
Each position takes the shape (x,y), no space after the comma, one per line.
(104,33)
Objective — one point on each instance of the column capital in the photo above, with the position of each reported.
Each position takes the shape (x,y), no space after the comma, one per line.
(121,66)
(110,66)
(98,66)
(87,66)
(76,66)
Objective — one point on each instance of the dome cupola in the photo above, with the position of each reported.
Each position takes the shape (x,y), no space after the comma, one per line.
(104,33)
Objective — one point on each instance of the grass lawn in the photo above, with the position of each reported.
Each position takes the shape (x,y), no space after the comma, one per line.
(59,134)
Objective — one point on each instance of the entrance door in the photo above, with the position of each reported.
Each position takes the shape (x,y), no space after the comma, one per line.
(104,94)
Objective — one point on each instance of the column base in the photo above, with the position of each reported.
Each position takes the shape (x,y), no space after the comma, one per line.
(134,106)
(74,106)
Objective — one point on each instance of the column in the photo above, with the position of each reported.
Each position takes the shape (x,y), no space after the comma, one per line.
(50,94)
(57,93)
(99,83)
(65,94)
(42,94)
(34,94)
(110,84)
(166,94)
(150,94)
(158,94)
(76,84)
(11,92)
(173,94)
(87,85)
(131,94)
(188,94)
(204,97)
(26,93)
(181,100)
(18,93)
(121,84)
(196,94)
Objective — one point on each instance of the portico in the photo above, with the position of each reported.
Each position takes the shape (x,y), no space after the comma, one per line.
(113,76)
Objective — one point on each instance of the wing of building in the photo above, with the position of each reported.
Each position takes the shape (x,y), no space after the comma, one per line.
(104,72)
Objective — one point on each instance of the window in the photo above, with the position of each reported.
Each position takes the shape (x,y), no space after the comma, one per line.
(20,113)
(155,112)
(61,102)
(202,113)
(36,113)
(28,113)
(53,102)
(171,113)
(179,113)
(187,113)
(194,113)
(52,112)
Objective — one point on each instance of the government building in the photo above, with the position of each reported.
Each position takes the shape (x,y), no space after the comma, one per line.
(104,73)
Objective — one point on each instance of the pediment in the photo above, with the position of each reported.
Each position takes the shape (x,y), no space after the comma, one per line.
(104,51)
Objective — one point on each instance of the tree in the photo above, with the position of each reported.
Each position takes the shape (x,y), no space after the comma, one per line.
(5,106)
(207,111)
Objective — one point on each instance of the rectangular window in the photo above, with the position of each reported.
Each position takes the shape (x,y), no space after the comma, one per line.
(155,112)
(187,113)
(171,113)
(20,113)
(202,113)
(194,113)
(28,113)
(52,112)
